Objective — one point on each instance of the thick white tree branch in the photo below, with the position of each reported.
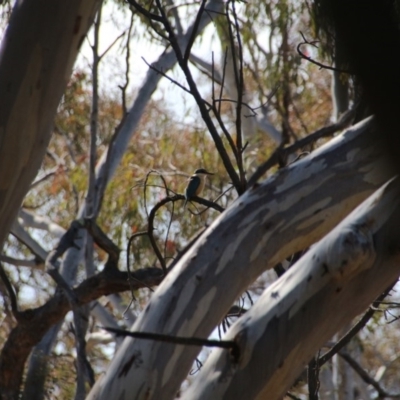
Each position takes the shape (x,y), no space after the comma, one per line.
(287,213)
(336,280)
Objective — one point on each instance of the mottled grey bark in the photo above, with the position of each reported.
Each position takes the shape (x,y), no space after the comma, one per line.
(287,213)
(335,281)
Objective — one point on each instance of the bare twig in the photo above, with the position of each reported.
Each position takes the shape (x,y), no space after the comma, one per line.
(281,152)
(239,85)
(183,63)
(111,45)
(382,393)
(167,77)
(194,31)
(173,9)
(145,12)
(355,329)
(223,79)
(216,107)
(188,341)
(322,66)
(46,176)
(168,229)
(127,68)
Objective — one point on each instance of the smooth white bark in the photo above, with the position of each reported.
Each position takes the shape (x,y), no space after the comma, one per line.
(36,58)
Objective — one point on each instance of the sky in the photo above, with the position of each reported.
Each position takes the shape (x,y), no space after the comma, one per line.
(112,69)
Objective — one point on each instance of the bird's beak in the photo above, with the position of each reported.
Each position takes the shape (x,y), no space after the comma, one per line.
(209,173)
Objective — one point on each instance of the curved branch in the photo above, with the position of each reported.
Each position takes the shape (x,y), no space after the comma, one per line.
(161,203)
(322,66)
(146,13)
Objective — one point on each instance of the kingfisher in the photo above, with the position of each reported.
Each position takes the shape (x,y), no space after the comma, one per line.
(196,184)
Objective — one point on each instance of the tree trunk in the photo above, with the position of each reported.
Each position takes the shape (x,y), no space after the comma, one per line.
(36,59)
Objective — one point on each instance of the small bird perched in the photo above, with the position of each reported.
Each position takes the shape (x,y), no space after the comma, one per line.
(196,184)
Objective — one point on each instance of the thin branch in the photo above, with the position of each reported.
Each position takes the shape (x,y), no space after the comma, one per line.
(355,329)
(322,66)
(26,239)
(183,63)
(194,31)
(128,248)
(168,229)
(45,177)
(226,132)
(207,203)
(150,230)
(242,104)
(127,67)
(223,79)
(143,11)
(173,9)
(206,68)
(382,393)
(281,152)
(189,341)
(111,45)
(240,89)
(166,76)
(217,110)
(32,220)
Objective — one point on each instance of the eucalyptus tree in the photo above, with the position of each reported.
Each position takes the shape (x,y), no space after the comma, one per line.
(261,114)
